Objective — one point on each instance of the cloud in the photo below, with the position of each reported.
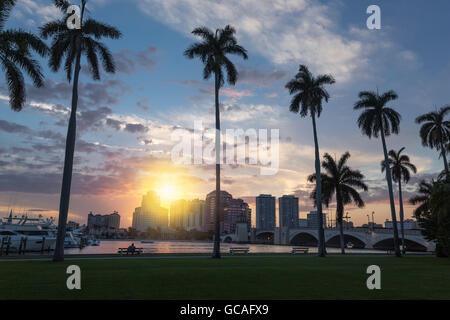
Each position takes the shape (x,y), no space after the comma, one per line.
(93,119)
(284,31)
(128,61)
(40,11)
(261,78)
(135,128)
(12,127)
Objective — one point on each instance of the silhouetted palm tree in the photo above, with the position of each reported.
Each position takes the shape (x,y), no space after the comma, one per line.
(425,189)
(71,45)
(309,92)
(433,213)
(213,51)
(339,181)
(435,131)
(400,166)
(15,54)
(378,119)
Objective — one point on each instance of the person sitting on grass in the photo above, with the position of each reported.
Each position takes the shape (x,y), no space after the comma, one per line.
(131,249)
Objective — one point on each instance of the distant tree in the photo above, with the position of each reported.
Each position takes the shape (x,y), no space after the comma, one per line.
(378,119)
(308,94)
(71,45)
(15,54)
(339,181)
(435,132)
(400,166)
(213,51)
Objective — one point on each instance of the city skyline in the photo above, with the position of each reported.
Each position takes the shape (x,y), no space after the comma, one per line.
(126,120)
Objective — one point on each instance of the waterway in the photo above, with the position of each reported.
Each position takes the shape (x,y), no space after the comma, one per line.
(189,247)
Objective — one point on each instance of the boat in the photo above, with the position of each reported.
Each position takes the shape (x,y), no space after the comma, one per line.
(70,241)
(147,241)
(35,230)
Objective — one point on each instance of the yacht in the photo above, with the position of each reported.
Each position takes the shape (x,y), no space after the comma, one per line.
(36,231)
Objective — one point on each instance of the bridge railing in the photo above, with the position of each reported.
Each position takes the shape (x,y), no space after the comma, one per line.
(361,230)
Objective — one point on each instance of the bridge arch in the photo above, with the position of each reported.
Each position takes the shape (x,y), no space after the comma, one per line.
(335,241)
(304,239)
(227,239)
(388,244)
(266,237)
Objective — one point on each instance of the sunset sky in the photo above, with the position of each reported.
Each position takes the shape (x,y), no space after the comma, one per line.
(125,120)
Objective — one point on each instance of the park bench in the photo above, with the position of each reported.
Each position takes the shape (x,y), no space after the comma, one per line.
(239,250)
(296,250)
(123,251)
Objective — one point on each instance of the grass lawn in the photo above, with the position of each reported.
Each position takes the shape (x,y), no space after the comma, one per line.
(253,277)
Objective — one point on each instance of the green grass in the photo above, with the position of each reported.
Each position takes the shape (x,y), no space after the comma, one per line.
(253,277)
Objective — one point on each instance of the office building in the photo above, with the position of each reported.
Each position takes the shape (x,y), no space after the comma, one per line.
(100,224)
(288,211)
(236,211)
(187,215)
(265,211)
(150,214)
(210,209)
(313,220)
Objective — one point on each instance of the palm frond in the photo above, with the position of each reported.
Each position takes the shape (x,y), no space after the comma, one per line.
(5,9)
(15,84)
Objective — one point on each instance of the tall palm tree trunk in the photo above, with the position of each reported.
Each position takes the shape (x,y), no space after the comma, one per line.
(402,228)
(341,234)
(445,158)
(68,164)
(216,253)
(391,193)
(321,233)
(339,217)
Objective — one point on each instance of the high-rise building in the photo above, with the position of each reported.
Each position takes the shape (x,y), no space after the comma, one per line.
(195,214)
(136,218)
(108,223)
(187,215)
(210,209)
(178,210)
(303,223)
(288,211)
(150,214)
(236,211)
(313,219)
(265,211)
(233,211)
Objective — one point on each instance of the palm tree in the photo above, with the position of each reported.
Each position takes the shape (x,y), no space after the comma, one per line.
(435,132)
(309,92)
(433,213)
(378,119)
(339,181)
(71,44)
(400,166)
(213,51)
(15,47)
(425,189)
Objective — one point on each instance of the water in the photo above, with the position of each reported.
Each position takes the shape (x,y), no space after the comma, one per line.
(188,247)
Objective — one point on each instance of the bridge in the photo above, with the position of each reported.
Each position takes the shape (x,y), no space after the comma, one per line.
(359,238)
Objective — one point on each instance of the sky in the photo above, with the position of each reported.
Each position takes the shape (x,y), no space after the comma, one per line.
(126,120)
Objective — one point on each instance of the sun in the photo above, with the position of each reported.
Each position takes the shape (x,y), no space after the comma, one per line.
(168,192)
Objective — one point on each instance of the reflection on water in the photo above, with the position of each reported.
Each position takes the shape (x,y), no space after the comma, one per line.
(111,246)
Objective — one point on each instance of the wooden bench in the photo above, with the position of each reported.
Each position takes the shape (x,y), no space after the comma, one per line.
(237,250)
(123,251)
(296,250)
